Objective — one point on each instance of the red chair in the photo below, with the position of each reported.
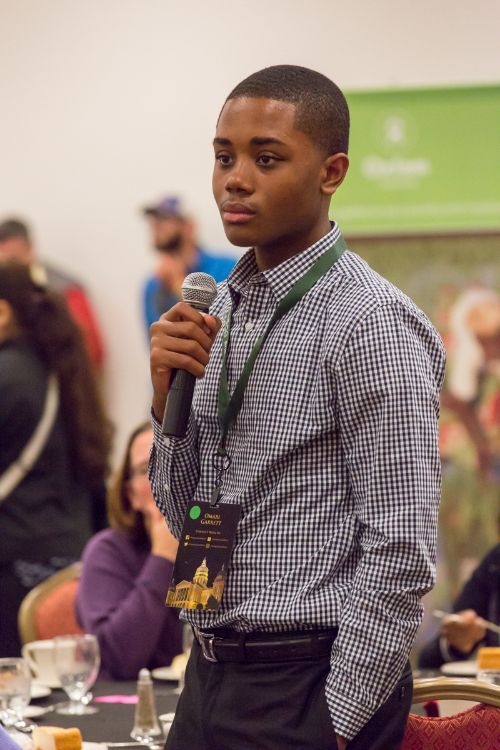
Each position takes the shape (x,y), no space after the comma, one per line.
(477,728)
(49,609)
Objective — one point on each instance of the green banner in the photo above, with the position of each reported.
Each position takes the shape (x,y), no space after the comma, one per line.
(422,160)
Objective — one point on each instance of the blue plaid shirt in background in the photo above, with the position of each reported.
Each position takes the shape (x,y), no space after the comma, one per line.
(334,460)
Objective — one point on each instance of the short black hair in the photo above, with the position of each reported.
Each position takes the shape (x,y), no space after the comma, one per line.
(14,228)
(321,108)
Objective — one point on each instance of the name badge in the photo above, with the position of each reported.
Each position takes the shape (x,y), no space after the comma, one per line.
(205,547)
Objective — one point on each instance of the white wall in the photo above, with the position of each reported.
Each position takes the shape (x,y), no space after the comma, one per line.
(107,104)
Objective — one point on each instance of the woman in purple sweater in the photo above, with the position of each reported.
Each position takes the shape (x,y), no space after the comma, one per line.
(126,572)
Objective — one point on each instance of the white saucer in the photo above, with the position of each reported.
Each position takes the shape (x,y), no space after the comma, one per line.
(166,673)
(94,746)
(39,691)
(460,668)
(30,712)
(54,684)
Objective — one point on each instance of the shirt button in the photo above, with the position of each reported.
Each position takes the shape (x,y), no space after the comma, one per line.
(249,326)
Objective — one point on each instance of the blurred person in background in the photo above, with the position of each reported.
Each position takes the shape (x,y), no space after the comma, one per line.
(51,503)
(173,235)
(464,630)
(126,572)
(16,242)
(475,356)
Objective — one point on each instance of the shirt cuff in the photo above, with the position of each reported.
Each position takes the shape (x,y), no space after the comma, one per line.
(443,647)
(169,443)
(449,653)
(348,716)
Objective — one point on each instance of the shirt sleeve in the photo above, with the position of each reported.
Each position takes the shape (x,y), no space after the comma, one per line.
(388,383)
(174,473)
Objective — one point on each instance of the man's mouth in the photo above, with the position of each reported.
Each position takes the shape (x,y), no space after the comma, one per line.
(236,213)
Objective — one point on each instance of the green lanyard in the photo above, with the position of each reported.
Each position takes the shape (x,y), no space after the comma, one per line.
(229,406)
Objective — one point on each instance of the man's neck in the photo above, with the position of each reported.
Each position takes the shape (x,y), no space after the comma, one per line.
(270,256)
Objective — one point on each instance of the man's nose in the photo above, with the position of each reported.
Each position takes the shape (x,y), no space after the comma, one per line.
(239,179)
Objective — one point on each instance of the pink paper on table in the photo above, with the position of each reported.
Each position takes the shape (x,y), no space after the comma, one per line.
(116,699)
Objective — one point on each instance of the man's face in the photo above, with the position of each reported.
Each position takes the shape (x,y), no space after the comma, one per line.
(17,248)
(167,233)
(267,178)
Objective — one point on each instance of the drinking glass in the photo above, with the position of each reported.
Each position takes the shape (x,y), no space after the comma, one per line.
(15,689)
(187,638)
(187,642)
(77,661)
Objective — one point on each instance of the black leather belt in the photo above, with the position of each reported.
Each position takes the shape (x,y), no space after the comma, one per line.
(231,646)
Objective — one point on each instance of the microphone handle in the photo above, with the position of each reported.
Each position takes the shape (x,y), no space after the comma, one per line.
(179,398)
(178,406)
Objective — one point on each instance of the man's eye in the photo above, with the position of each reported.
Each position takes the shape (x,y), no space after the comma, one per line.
(223,159)
(266,160)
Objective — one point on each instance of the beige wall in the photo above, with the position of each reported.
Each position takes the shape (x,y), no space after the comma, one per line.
(106,104)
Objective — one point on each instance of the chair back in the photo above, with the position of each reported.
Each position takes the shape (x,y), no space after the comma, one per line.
(477,728)
(49,608)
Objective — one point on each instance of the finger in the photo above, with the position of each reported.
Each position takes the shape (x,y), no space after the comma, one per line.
(449,619)
(178,313)
(468,616)
(187,330)
(169,352)
(187,346)
(183,311)
(213,324)
(167,361)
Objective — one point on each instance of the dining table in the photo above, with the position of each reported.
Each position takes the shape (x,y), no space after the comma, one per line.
(114,719)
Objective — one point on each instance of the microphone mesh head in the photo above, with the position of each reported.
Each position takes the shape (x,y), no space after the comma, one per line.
(199,290)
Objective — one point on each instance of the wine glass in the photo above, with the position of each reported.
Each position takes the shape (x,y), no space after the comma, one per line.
(77,661)
(187,642)
(15,689)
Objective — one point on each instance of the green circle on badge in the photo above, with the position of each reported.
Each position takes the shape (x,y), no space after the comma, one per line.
(195,512)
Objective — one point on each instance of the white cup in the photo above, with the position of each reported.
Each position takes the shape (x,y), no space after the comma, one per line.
(40,657)
(166,722)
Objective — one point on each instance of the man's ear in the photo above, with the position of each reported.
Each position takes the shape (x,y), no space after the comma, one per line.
(5,311)
(6,316)
(334,170)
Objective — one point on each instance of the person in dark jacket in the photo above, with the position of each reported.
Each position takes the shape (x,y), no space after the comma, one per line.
(54,506)
(464,630)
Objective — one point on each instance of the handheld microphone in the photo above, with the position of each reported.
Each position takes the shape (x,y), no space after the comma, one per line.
(199,290)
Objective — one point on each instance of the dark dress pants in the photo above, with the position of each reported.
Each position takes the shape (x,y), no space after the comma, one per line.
(271,706)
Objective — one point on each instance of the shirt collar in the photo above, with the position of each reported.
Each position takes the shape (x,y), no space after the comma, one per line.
(282,277)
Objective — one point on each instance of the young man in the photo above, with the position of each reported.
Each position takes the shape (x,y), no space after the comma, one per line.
(330,453)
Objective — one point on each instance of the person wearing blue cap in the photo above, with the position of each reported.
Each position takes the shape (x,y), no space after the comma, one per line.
(173,235)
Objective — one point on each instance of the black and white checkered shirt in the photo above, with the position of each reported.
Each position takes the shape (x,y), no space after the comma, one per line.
(335,464)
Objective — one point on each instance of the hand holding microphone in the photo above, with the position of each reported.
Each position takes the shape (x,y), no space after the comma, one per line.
(180,344)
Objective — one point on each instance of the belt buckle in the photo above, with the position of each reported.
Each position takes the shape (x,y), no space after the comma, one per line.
(206,641)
